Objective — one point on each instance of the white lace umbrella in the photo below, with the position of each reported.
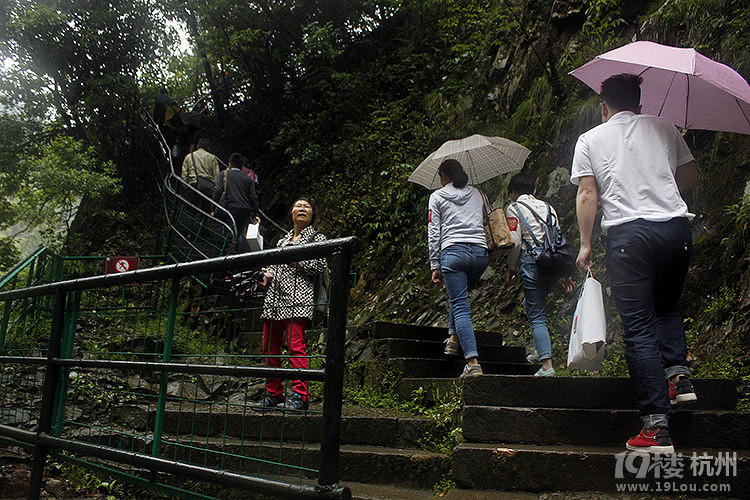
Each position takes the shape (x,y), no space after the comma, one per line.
(482,158)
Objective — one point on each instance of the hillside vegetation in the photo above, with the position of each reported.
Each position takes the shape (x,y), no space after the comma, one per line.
(341,100)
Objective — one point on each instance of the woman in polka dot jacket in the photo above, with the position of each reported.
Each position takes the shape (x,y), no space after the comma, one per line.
(289,307)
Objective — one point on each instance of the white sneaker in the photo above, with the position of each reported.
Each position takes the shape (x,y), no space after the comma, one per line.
(545,373)
(533,357)
(451,348)
(471,371)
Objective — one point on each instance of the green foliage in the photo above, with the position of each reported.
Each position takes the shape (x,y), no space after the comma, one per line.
(9,254)
(443,487)
(614,364)
(444,409)
(70,108)
(52,183)
(721,305)
(739,218)
(603,18)
(82,480)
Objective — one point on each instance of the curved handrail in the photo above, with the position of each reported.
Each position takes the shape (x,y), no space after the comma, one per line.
(20,266)
(173,185)
(171,180)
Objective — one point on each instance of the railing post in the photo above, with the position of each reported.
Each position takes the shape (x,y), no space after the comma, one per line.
(66,352)
(166,358)
(51,378)
(4,323)
(334,369)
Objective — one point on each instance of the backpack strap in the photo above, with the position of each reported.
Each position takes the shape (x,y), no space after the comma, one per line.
(536,215)
(551,220)
(526,224)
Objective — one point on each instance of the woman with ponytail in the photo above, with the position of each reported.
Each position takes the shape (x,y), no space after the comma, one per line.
(458,254)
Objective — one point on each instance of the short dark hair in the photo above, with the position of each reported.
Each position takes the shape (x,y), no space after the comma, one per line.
(308,200)
(204,143)
(521,183)
(453,170)
(236,160)
(622,92)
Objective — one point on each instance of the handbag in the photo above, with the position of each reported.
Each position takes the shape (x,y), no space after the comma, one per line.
(495,226)
(588,333)
(557,256)
(247,285)
(253,237)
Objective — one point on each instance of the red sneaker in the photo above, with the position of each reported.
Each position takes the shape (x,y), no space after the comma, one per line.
(681,391)
(656,442)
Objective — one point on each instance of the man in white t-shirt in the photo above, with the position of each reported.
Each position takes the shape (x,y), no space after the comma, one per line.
(635,165)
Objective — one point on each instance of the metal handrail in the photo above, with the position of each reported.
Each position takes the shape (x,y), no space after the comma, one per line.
(229,263)
(45,440)
(20,266)
(172,177)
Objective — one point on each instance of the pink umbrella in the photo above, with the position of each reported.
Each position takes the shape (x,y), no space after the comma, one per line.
(681,85)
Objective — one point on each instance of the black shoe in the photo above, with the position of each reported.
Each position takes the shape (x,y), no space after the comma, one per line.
(295,402)
(270,401)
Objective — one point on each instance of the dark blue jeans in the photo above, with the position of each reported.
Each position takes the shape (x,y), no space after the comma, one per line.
(647,263)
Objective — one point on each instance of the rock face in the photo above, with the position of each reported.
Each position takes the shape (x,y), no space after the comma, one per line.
(14,481)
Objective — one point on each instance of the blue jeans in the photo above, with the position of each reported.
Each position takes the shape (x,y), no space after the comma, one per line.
(536,286)
(647,263)
(462,265)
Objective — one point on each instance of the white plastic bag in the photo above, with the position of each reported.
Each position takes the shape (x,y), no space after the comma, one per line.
(588,334)
(253,237)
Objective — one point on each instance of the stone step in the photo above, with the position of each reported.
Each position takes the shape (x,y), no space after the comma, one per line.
(436,368)
(485,466)
(599,427)
(581,392)
(411,348)
(408,467)
(383,330)
(365,491)
(250,340)
(360,426)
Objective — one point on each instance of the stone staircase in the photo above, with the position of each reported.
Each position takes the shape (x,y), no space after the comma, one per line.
(377,446)
(527,434)
(567,434)
(521,434)
(415,354)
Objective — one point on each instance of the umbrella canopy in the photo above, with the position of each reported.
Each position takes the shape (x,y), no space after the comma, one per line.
(482,158)
(681,85)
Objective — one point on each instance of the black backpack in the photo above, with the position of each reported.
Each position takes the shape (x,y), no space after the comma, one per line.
(557,256)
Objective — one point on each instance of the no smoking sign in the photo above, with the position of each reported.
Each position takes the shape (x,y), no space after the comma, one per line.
(121,264)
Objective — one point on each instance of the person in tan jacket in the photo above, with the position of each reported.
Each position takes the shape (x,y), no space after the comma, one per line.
(200,168)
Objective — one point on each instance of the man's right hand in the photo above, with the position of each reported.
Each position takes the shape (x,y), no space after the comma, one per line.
(437,277)
(584,260)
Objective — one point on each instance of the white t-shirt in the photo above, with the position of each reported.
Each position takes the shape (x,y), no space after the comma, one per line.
(517,229)
(634,159)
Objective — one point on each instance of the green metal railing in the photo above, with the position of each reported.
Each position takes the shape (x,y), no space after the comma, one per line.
(193,233)
(197,228)
(146,378)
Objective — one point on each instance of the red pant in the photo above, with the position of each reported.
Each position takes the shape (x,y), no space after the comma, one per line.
(294,330)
